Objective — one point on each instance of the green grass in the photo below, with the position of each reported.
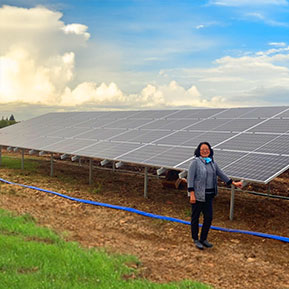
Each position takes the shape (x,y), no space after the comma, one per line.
(32,257)
(15,163)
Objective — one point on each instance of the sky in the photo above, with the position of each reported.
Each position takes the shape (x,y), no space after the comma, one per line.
(142,54)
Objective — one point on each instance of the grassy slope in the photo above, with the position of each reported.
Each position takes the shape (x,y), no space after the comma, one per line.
(33,257)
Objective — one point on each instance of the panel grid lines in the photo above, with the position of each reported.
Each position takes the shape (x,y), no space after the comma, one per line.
(244,139)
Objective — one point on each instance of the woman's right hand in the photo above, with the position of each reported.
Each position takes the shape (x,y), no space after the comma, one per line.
(192,198)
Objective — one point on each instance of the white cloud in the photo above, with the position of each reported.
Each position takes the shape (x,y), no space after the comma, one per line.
(273,51)
(200,26)
(241,81)
(36,54)
(40,72)
(38,30)
(278,44)
(23,79)
(78,29)
(257,16)
(170,95)
(37,65)
(237,3)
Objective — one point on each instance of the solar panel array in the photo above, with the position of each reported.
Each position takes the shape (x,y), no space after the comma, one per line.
(250,143)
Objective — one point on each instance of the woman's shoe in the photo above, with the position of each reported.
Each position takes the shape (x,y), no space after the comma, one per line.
(198,244)
(206,244)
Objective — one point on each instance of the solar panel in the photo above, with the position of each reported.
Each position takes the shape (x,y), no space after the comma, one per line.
(143,153)
(213,138)
(279,145)
(100,133)
(250,143)
(178,138)
(284,114)
(66,146)
(106,150)
(207,124)
(263,112)
(95,123)
(246,142)
(272,126)
(262,167)
(225,158)
(237,125)
(140,136)
(126,123)
(235,113)
(175,155)
(154,114)
(197,113)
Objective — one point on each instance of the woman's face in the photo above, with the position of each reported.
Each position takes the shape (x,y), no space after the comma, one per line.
(204,151)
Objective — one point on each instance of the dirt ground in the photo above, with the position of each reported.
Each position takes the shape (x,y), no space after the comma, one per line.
(164,249)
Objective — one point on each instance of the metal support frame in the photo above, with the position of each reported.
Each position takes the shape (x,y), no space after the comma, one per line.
(90,172)
(51,165)
(64,156)
(161,171)
(232,202)
(104,162)
(183,174)
(75,158)
(119,164)
(145,182)
(22,159)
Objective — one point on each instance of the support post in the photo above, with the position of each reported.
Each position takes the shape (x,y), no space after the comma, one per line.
(232,202)
(145,182)
(22,159)
(113,166)
(268,189)
(90,172)
(51,166)
(0,156)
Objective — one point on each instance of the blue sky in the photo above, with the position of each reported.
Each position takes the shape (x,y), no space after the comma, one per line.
(142,54)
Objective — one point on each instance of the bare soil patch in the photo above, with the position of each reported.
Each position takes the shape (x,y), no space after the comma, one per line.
(164,248)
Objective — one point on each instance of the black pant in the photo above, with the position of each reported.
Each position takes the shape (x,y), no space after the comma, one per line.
(207,209)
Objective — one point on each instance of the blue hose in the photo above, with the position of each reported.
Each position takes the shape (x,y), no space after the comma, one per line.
(258,234)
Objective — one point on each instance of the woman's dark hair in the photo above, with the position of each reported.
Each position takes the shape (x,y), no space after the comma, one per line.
(197,150)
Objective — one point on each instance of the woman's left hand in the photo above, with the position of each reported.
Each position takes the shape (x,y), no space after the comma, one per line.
(238,184)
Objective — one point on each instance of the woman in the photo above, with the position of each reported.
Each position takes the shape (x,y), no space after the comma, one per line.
(202,188)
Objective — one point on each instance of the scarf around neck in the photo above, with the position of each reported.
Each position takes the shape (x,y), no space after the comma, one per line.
(207,160)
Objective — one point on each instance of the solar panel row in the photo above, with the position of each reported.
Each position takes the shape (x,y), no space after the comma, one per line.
(249,143)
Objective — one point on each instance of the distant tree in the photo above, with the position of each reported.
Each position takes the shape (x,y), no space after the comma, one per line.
(11,118)
(5,121)
(2,122)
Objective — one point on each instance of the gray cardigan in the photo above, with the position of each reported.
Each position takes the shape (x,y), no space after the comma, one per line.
(197,176)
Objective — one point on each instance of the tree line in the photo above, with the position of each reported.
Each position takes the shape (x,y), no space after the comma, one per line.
(7,121)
